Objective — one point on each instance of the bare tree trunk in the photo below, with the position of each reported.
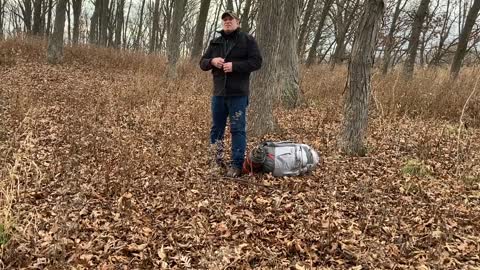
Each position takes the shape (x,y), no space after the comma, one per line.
(322,57)
(338,54)
(415,38)
(163,32)
(26,7)
(49,18)
(111,23)
(213,26)
(55,43)
(460,17)
(288,59)
(37,17)
(463,41)
(156,20)
(443,37)
(104,22)
(390,42)
(2,17)
(140,27)
(230,5)
(312,53)
(423,45)
(94,23)
(126,25)
(77,11)
(304,27)
(69,33)
(119,23)
(246,12)
(42,17)
(168,17)
(342,29)
(264,80)
(310,28)
(359,75)
(200,30)
(462,14)
(173,51)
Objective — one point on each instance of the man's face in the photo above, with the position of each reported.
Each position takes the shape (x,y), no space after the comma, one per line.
(229,24)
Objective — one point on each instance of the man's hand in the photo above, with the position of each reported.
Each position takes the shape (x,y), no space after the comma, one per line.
(227,67)
(217,62)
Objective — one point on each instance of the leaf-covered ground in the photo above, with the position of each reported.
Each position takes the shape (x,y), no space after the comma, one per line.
(104,167)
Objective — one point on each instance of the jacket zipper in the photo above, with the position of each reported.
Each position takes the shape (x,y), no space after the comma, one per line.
(226,51)
(225,74)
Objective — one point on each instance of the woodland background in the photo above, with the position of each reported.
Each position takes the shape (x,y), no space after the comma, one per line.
(104,138)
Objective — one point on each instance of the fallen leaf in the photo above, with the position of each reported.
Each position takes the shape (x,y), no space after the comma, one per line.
(135,247)
(86,257)
(161,253)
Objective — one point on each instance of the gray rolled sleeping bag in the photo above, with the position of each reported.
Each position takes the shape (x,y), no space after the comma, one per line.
(289,159)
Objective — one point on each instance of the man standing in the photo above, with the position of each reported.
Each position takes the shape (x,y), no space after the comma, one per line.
(231,57)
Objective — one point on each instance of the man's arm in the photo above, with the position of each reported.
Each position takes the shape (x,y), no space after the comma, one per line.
(254,61)
(205,61)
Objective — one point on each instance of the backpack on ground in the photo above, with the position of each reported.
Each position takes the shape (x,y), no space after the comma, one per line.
(281,159)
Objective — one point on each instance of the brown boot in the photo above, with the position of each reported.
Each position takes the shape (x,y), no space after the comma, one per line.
(234,172)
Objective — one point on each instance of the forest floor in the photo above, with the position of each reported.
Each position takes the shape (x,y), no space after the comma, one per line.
(103,164)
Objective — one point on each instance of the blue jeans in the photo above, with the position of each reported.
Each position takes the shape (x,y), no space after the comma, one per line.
(235,108)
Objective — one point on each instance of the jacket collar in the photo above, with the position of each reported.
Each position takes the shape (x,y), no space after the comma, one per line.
(229,35)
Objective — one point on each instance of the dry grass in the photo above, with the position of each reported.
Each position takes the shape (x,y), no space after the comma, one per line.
(103,165)
(429,95)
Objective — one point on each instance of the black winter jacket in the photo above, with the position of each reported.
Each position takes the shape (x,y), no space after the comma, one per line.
(242,50)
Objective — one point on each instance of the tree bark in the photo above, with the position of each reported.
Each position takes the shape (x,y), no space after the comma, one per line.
(264,80)
(37,17)
(119,23)
(343,24)
(312,53)
(230,5)
(443,37)
(155,26)
(27,15)
(415,38)
(55,42)
(213,25)
(161,38)
(77,11)
(140,27)
(125,45)
(94,23)
(173,51)
(304,27)
(168,17)
(423,41)
(339,53)
(42,17)
(200,30)
(111,23)
(358,82)
(2,17)
(246,13)
(49,18)
(463,41)
(390,42)
(69,32)
(311,27)
(288,59)
(104,19)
